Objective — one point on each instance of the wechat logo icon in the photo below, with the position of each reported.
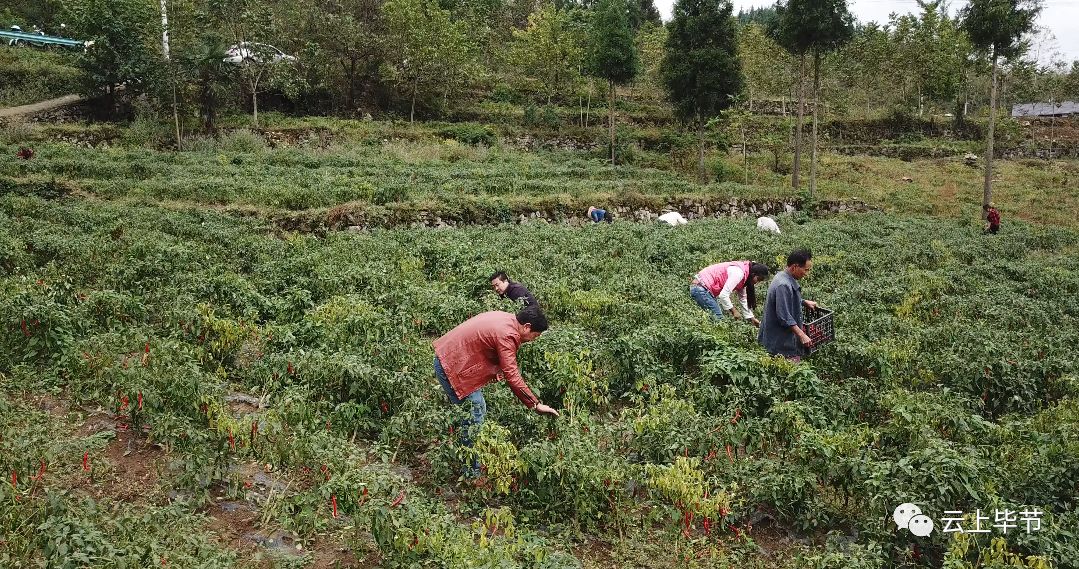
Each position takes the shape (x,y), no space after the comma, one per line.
(909,517)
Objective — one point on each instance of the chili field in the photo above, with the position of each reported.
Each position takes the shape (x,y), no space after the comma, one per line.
(192,389)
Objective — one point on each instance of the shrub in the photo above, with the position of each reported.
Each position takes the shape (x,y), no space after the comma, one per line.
(474,134)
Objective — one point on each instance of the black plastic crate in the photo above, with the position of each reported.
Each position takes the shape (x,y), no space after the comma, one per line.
(819,327)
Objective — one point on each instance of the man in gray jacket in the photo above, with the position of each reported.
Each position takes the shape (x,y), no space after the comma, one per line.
(781,326)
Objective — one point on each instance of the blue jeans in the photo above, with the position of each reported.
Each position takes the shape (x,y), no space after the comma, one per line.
(470,426)
(706,301)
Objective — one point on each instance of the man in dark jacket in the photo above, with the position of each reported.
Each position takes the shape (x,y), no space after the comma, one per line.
(512,290)
(781,326)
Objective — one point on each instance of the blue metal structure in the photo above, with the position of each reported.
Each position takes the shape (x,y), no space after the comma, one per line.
(14,38)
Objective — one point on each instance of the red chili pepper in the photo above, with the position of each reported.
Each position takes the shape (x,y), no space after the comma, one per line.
(123,402)
(86,460)
(729,454)
(737,532)
(385,408)
(232,441)
(737,415)
(25,332)
(41,470)
(14,480)
(254,431)
(290,372)
(140,400)
(363,497)
(707,526)
(710,455)
(147,348)
(397,501)
(451,430)
(723,512)
(164,562)
(333,500)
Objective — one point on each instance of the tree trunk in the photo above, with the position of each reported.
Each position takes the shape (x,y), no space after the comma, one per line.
(701,176)
(797,169)
(412,112)
(351,85)
(816,105)
(610,115)
(255,103)
(588,103)
(745,155)
(987,192)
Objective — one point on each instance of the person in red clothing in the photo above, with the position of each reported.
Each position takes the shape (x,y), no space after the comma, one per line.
(479,351)
(992,219)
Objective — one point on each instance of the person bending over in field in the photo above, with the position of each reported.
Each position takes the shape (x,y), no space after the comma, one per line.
(992,219)
(781,327)
(479,351)
(672,218)
(597,215)
(512,290)
(711,288)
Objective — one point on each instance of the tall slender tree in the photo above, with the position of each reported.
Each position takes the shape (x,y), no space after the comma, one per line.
(996,27)
(702,72)
(612,53)
(812,27)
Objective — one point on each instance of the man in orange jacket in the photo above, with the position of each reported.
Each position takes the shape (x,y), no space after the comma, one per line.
(481,350)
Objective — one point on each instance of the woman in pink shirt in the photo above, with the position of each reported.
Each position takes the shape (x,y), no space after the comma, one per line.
(711,288)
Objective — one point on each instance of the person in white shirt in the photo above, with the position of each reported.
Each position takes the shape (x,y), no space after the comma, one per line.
(711,288)
(767,224)
(673,218)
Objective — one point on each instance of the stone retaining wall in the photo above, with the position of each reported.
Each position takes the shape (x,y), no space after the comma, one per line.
(400,215)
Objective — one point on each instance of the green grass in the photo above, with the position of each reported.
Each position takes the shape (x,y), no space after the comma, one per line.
(317,164)
(33,75)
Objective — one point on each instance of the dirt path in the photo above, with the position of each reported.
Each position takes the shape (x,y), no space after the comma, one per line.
(48,105)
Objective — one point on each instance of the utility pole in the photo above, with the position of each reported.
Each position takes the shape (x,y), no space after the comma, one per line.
(172,74)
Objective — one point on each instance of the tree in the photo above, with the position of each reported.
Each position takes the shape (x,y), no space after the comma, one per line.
(349,35)
(702,72)
(651,51)
(427,50)
(819,27)
(996,27)
(253,23)
(549,50)
(932,50)
(205,63)
(765,64)
(612,56)
(643,12)
(123,32)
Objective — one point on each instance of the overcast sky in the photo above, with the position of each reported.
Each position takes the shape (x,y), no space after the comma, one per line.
(1061,17)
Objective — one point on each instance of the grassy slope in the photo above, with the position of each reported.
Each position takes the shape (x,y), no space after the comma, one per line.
(357,162)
